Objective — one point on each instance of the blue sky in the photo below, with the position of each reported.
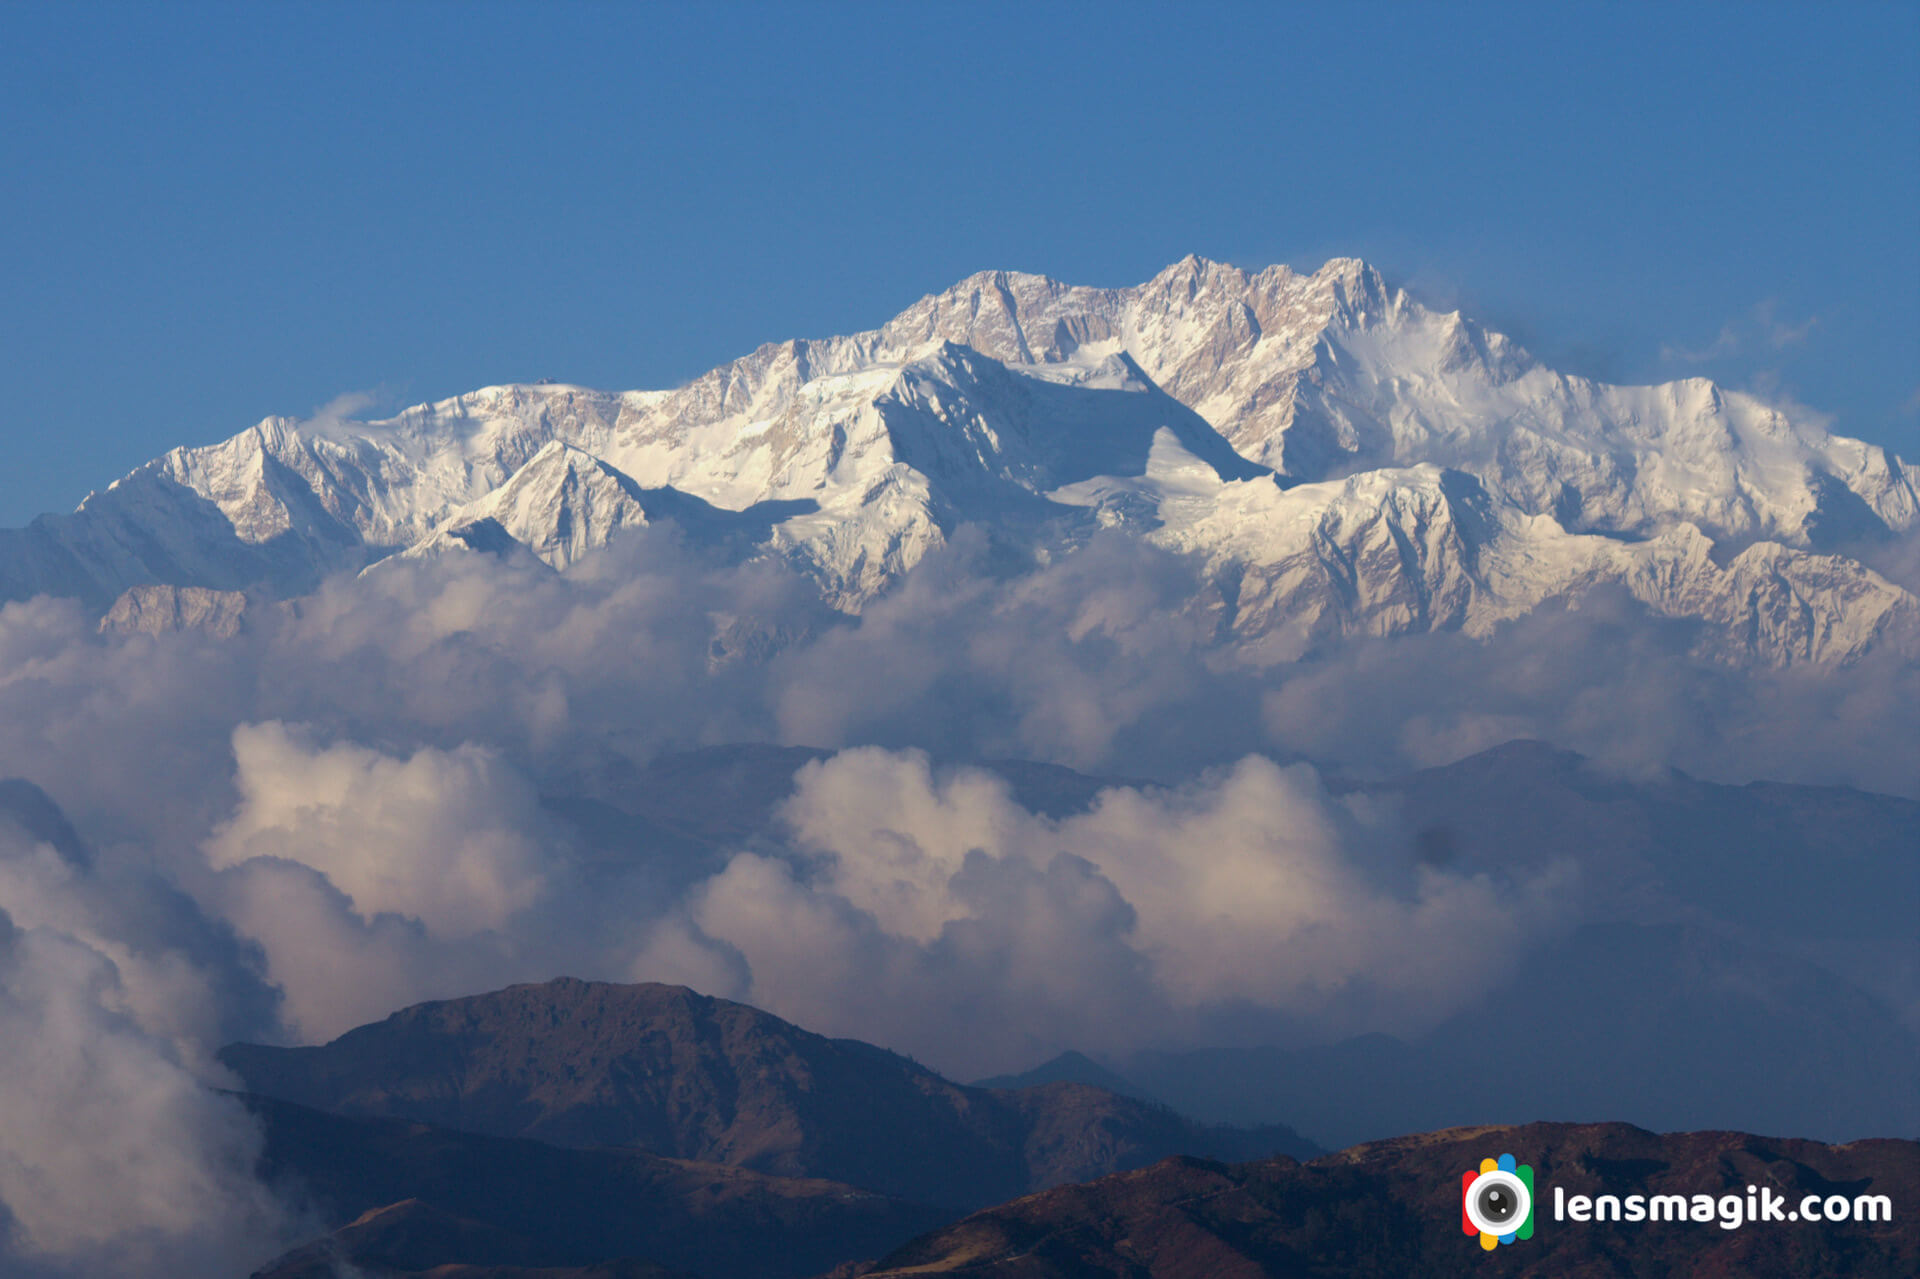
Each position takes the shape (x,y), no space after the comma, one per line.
(209,214)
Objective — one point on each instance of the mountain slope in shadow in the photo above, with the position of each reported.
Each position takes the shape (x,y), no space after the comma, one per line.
(667,1070)
(404,1196)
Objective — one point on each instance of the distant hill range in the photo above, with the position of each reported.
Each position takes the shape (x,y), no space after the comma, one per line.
(583,1130)
(666,1070)
(1068,1068)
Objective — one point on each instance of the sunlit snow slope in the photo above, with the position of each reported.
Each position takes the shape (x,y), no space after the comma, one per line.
(1339,458)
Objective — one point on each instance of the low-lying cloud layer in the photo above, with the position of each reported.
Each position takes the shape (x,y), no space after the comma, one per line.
(932,911)
(338,812)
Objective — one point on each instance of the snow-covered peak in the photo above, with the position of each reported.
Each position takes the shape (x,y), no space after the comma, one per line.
(1348,457)
(1323,374)
(563,504)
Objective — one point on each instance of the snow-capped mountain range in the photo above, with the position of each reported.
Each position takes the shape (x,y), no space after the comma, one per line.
(1339,457)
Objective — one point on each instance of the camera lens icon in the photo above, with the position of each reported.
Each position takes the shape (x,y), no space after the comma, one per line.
(1496,1201)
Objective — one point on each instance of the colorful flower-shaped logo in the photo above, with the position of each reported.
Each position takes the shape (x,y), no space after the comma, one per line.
(1496,1202)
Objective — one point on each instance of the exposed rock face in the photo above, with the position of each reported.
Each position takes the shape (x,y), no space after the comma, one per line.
(156,610)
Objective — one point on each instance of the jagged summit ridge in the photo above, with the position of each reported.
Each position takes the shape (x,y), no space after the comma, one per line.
(1352,460)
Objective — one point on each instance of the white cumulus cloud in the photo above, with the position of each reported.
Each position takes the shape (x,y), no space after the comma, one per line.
(917,895)
(445,837)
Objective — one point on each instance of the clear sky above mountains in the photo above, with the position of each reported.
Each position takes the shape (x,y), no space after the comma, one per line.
(213,213)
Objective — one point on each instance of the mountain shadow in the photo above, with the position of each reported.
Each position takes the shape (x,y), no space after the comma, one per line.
(405,1197)
(666,1070)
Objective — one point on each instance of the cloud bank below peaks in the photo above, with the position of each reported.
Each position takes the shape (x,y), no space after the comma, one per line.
(926,908)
